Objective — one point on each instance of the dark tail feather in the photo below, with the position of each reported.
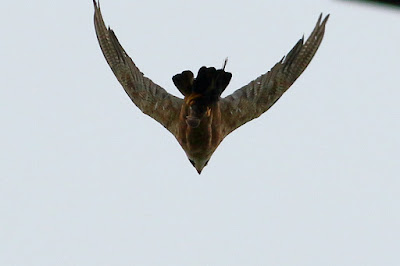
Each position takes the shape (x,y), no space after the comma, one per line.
(184,82)
(211,82)
(222,80)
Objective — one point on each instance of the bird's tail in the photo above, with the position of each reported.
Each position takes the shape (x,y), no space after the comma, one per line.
(209,83)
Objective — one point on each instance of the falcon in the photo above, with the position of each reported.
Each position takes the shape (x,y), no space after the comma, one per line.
(202,119)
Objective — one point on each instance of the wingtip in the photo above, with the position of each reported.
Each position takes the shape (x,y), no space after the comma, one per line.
(320,17)
(326,19)
(323,21)
(319,23)
(96,4)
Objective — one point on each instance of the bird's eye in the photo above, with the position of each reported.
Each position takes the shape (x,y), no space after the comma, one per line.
(192,162)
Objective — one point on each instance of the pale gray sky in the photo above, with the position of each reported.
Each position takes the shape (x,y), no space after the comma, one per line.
(87,179)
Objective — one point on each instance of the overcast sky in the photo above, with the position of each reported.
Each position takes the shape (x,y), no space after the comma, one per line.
(87,179)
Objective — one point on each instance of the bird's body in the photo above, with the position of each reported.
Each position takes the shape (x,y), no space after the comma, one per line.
(200,143)
(202,119)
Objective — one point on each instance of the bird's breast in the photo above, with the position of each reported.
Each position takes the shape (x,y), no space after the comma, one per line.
(203,139)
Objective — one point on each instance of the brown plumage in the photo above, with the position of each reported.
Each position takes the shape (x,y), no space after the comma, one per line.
(203,119)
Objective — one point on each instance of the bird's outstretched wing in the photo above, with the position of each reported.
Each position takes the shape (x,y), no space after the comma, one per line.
(145,94)
(258,96)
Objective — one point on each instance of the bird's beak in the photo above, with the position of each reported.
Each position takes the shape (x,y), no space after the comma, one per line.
(199,170)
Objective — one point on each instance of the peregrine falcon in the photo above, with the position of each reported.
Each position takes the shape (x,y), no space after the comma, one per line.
(202,119)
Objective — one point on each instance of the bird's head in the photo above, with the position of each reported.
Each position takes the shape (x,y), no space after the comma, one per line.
(199,164)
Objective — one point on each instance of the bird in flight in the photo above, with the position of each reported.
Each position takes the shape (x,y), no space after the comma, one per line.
(202,119)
